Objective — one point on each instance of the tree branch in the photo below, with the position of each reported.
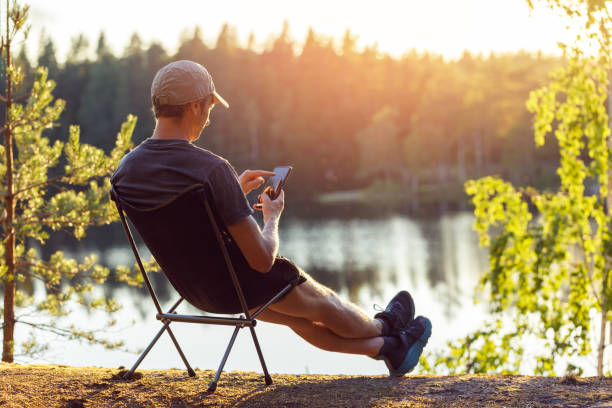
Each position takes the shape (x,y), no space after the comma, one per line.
(32,312)
(48,181)
(27,272)
(589,268)
(37,215)
(21,264)
(47,164)
(77,335)
(47,327)
(68,224)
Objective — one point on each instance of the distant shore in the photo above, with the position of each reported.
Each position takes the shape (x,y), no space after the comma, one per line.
(38,386)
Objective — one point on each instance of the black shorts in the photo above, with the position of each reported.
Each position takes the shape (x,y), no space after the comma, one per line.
(259,288)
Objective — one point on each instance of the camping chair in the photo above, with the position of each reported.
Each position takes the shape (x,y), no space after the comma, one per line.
(202,262)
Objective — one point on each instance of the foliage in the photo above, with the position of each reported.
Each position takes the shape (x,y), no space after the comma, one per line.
(592,18)
(70,202)
(50,187)
(380,139)
(549,272)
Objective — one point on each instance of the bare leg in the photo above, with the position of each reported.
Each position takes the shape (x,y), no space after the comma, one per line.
(320,336)
(317,303)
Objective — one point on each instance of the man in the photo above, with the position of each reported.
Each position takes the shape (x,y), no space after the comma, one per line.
(183,94)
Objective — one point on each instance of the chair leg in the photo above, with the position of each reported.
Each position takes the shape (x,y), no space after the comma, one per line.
(261,359)
(213,385)
(178,348)
(146,351)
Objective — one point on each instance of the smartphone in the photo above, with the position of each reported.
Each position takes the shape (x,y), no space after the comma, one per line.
(274,185)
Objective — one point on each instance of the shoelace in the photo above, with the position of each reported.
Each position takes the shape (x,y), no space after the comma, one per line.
(379,308)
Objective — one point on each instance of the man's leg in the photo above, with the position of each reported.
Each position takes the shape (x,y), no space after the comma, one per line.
(319,316)
(323,338)
(316,303)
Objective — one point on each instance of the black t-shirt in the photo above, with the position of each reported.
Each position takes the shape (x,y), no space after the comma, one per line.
(158,169)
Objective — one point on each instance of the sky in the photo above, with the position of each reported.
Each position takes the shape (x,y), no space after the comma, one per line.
(446,27)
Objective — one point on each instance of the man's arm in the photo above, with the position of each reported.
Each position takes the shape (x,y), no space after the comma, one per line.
(260,247)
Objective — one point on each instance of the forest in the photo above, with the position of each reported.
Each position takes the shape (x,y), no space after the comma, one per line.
(345,118)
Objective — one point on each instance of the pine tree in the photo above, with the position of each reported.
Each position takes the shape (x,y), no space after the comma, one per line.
(97,114)
(35,205)
(46,57)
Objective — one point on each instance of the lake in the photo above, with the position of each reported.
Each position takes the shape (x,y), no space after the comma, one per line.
(366,259)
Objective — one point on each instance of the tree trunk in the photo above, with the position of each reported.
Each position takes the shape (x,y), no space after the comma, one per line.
(602,344)
(254,143)
(604,320)
(9,202)
(461,173)
(415,192)
(251,118)
(478,153)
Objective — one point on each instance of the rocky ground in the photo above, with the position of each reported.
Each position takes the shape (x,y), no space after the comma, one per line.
(38,386)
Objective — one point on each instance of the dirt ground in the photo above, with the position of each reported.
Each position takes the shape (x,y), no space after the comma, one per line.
(38,386)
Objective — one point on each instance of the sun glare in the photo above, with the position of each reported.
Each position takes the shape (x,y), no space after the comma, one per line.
(445,27)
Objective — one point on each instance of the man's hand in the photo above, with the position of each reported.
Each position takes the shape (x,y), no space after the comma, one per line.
(272,209)
(252,179)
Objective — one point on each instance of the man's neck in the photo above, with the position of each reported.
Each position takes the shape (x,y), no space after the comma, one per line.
(170,129)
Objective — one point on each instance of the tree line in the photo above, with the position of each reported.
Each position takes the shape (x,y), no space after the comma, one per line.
(343,117)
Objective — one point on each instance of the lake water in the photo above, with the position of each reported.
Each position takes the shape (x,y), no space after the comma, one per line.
(366,260)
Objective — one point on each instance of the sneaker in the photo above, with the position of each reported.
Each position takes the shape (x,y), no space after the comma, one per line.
(405,356)
(398,315)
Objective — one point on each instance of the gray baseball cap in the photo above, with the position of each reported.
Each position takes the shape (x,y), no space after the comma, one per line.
(181,82)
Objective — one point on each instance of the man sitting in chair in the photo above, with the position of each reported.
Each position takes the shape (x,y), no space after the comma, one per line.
(183,94)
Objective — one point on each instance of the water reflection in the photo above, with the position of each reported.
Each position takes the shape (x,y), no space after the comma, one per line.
(365,260)
(363,257)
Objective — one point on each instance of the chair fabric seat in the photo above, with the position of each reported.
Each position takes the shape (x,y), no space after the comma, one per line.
(184,244)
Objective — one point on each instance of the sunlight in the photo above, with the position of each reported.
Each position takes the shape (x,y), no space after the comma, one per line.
(443,27)
(456,150)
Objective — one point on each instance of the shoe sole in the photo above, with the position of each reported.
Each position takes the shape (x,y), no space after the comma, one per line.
(414,353)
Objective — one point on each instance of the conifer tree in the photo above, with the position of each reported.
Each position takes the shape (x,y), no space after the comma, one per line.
(34,205)
(97,113)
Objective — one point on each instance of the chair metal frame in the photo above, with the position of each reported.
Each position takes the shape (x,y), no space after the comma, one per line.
(245,320)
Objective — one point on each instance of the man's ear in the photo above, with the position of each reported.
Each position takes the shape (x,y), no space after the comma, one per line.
(194,109)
